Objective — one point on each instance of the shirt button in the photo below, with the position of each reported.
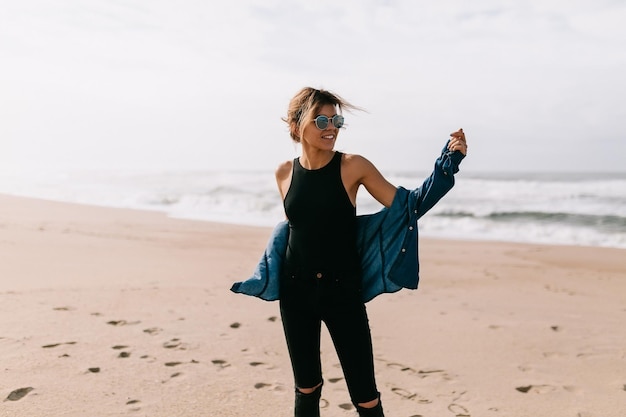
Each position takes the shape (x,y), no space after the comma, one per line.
(403,250)
(415,211)
(410,227)
(319,275)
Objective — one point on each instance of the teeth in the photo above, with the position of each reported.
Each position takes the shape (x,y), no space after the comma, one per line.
(328,137)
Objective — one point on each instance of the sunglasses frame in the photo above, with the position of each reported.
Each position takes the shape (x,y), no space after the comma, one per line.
(337,119)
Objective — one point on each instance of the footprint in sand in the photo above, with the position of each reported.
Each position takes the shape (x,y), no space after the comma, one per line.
(63,308)
(172,343)
(559,290)
(538,389)
(18,394)
(262,385)
(119,347)
(220,363)
(458,410)
(175,344)
(403,393)
(153,331)
(180,363)
(401,368)
(410,395)
(334,380)
(122,322)
(255,364)
(553,354)
(235,325)
(52,345)
(174,375)
(134,402)
(422,373)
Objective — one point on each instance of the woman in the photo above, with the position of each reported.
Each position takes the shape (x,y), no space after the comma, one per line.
(322,268)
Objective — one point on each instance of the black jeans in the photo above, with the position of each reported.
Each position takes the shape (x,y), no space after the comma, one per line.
(334,298)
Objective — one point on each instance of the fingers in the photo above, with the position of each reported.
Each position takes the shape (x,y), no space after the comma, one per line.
(458,142)
(459,134)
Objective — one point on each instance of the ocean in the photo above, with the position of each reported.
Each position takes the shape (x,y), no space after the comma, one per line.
(549,208)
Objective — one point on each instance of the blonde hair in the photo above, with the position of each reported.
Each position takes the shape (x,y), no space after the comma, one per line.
(304,106)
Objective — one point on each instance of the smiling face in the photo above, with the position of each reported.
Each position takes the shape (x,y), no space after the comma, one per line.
(321,139)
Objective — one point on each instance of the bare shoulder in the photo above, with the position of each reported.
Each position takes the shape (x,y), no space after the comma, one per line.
(283,171)
(360,170)
(356,160)
(357,170)
(357,164)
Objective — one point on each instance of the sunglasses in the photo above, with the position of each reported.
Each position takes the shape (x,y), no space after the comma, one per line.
(321,122)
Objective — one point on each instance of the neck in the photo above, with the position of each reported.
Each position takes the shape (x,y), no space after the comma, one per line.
(315,158)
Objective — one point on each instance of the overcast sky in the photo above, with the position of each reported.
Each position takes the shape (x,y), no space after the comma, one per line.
(197,84)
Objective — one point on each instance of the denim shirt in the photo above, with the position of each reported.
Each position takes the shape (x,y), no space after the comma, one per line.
(387,241)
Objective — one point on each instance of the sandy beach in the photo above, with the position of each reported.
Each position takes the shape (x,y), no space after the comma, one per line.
(112,312)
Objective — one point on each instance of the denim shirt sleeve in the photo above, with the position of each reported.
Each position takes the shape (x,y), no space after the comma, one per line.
(378,240)
(388,240)
(438,183)
(265,281)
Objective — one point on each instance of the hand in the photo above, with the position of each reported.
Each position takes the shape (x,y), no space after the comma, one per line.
(457,142)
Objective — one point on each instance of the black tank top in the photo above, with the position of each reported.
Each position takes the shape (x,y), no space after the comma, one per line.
(322,220)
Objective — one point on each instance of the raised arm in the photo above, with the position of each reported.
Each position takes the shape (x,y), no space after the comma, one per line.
(360,171)
(441,180)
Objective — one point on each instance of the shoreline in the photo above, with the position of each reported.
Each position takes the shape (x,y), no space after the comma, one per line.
(423,235)
(110,312)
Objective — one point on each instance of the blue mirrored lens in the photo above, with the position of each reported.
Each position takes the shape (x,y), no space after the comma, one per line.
(337,121)
(321,122)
